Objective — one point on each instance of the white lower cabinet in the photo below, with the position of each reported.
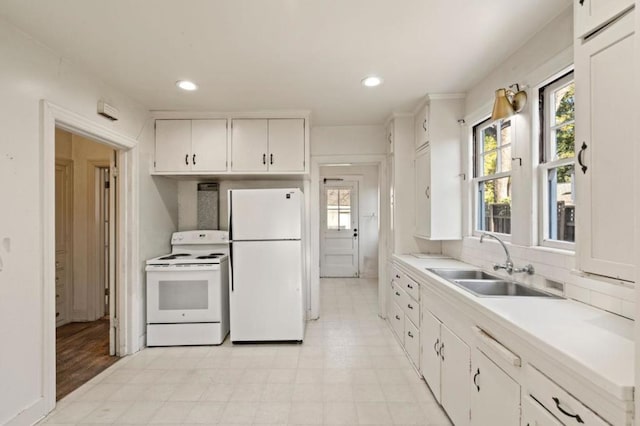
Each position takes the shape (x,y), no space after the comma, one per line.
(534,414)
(495,396)
(445,366)
(404,313)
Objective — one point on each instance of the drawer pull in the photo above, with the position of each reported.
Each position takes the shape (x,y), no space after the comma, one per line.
(409,334)
(442,351)
(566,413)
(435,347)
(409,306)
(397,294)
(410,286)
(475,377)
(397,276)
(398,318)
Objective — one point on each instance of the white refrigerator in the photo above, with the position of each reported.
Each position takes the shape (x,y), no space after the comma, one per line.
(266,265)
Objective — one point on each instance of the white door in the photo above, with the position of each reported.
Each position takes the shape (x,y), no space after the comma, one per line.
(266,291)
(456,360)
(173,145)
(339,222)
(209,145)
(495,397)
(112,223)
(286,145)
(605,120)
(249,145)
(430,342)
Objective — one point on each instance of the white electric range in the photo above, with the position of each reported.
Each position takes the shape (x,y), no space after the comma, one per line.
(188,291)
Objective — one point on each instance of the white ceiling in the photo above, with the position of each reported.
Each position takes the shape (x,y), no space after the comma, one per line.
(285,54)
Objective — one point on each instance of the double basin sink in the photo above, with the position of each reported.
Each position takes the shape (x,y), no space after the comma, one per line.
(483,284)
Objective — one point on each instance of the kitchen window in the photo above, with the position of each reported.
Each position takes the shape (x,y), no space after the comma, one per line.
(557,163)
(493,141)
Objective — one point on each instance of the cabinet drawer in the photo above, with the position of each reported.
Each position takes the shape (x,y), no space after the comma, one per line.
(411,287)
(412,341)
(534,414)
(396,275)
(559,402)
(399,296)
(411,309)
(396,316)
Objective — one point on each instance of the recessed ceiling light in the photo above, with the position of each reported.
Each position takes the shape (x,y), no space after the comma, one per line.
(371,81)
(187,85)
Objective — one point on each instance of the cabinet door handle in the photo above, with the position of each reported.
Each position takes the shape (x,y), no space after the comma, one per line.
(475,377)
(410,286)
(435,347)
(424,124)
(186,159)
(193,159)
(397,276)
(398,318)
(270,158)
(409,334)
(581,2)
(582,150)
(427,192)
(409,306)
(442,351)
(566,413)
(397,294)
(264,158)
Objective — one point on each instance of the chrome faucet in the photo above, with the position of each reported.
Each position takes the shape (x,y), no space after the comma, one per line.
(508,265)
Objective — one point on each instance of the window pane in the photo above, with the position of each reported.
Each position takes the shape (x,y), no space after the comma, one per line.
(494,206)
(563,141)
(505,159)
(489,163)
(345,197)
(505,132)
(332,197)
(564,104)
(332,220)
(489,139)
(345,220)
(562,206)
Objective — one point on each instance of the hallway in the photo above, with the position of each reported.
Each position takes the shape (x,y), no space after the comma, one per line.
(349,370)
(82,352)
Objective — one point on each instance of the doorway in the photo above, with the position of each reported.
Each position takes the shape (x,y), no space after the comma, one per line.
(339,243)
(85,241)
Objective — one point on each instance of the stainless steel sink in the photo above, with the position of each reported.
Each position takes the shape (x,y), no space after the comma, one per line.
(483,284)
(500,288)
(464,274)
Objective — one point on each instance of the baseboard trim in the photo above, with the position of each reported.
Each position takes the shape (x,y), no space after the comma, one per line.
(30,415)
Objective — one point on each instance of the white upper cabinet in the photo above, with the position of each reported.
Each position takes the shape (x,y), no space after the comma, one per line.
(438,212)
(593,14)
(286,145)
(249,145)
(191,145)
(268,145)
(422,123)
(209,145)
(605,124)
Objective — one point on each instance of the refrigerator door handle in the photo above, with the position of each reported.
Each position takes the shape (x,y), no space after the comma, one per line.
(231,238)
(231,264)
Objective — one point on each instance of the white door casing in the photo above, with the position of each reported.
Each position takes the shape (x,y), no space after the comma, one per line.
(339,240)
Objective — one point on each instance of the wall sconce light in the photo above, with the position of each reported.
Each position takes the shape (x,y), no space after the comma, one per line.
(508,102)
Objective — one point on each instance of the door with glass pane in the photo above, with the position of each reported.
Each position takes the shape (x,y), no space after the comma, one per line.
(339,228)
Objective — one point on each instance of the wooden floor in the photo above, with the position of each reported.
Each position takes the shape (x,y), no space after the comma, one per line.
(82,352)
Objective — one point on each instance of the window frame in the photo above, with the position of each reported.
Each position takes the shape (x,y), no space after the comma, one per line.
(478,179)
(545,165)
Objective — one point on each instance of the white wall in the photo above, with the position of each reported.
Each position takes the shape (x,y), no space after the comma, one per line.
(546,54)
(368,214)
(348,140)
(30,72)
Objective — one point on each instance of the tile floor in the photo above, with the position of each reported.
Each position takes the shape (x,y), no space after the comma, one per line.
(350,370)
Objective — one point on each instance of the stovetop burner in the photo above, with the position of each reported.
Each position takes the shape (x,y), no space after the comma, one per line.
(210,256)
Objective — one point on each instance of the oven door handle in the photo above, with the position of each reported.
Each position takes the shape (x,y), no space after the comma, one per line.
(183,268)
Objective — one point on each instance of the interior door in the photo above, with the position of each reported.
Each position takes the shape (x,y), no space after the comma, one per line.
(111,225)
(339,222)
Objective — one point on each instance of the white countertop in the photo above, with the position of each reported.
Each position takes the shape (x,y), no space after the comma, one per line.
(599,344)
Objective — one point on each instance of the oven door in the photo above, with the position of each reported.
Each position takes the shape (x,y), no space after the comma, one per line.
(177,294)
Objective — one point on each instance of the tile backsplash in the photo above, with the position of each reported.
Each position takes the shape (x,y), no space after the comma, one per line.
(550,266)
